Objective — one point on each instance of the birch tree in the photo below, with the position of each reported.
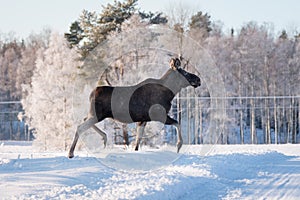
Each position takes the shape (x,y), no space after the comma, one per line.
(48,106)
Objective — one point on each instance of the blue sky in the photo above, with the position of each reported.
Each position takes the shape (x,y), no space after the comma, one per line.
(26,16)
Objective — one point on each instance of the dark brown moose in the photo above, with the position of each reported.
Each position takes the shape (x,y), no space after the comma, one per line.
(147,101)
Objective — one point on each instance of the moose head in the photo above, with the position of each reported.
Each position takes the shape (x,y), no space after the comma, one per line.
(184,78)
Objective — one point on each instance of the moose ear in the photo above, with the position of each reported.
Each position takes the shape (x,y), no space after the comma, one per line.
(175,63)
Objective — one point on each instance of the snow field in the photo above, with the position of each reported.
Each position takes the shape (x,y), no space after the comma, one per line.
(200,172)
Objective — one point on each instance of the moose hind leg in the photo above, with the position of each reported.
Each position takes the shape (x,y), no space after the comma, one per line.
(179,137)
(80,129)
(140,132)
(100,132)
(171,121)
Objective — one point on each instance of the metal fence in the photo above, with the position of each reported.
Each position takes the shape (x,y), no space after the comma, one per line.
(241,120)
(11,127)
(251,120)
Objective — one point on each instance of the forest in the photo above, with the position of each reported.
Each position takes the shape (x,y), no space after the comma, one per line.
(250,91)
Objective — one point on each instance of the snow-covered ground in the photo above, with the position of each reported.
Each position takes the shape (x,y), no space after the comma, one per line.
(199,172)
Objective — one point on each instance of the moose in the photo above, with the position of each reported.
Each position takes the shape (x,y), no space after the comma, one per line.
(147,101)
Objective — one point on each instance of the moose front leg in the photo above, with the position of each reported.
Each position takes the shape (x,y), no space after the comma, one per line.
(88,123)
(139,135)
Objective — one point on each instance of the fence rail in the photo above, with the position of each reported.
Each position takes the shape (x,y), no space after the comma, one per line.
(241,97)
(9,102)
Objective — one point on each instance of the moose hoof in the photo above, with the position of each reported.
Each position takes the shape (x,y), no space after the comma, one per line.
(136,148)
(71,155)
(179,145)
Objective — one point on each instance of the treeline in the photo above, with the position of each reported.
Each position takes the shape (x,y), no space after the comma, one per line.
(259,70)
(17,64)
(17,61)
(262,73)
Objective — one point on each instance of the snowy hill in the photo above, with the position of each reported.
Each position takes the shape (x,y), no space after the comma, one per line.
(200,172)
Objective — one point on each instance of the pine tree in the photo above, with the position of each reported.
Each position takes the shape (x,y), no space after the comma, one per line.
(283,35)
(92,28)
(200,25)
(75,35)
(154,18)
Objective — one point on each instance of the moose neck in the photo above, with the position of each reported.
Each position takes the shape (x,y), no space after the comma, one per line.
(174,81)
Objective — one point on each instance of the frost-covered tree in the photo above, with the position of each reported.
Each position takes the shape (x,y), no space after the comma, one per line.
(130,49)
(291,89)
(34,45)
(179,14)
(10,61)
(48,105)
(132,56)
